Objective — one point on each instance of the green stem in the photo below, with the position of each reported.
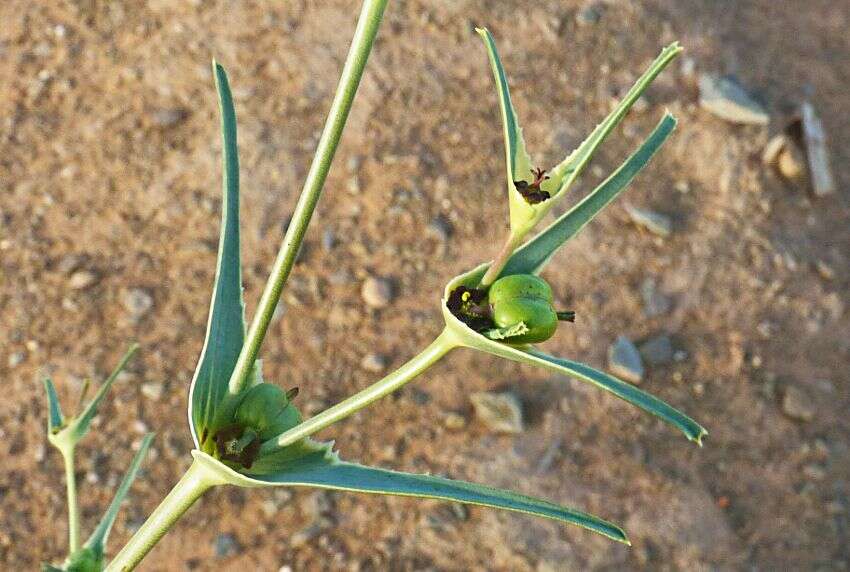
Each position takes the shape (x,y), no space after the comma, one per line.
(501,259)
(425,359)
(352,71)
(194,483)
(73,508)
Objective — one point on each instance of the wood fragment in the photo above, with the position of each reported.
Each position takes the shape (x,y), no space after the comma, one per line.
(823,182)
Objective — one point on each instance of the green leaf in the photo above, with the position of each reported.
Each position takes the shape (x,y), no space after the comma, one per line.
(54,418)
(526,353)
(625,391)
(226,327)
(533,256)
(523,214)
(563,175)
(324,470)
(97,541)
(80,425)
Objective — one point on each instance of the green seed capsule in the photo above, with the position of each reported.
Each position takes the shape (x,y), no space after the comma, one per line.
(267,410)
(524,298)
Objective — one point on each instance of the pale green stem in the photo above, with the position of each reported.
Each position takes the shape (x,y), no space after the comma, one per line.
(352,71)
(73,508)
(501,259)
(194,483)
(425,359)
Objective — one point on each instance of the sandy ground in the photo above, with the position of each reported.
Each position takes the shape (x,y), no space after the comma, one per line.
(109,195)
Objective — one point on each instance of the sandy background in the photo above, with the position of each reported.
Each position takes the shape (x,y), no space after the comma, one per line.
(109,206)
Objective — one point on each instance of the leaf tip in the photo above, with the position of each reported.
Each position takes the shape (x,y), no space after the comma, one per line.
(615,533)
(701,434)
(219,72)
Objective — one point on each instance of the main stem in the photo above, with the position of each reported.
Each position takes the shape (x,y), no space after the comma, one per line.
(425,359)
(352,71)
(73,508)
(194,483)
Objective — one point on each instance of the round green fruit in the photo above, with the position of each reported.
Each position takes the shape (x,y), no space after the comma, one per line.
(524,298)
(267,410)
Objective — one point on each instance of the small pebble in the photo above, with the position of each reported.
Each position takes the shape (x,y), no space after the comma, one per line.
(658,350)
(328,239)
(728,100)
(376,363)
(377,292)
(655,303)
(166,118)
(797,405)
(82,279)
(269,508)
(140,427)
(500,412)
(441,228)
(654,222)
(69,263)
(770,154)
(152,390)
(781,152)
(137,301)
(16,358)
(353,163)
(454,421)
(588,15)
(307,534)
(624,360)
(791,162)
(825,270)
(226,545)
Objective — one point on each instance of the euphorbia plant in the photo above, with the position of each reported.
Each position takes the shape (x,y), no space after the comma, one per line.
(249,433)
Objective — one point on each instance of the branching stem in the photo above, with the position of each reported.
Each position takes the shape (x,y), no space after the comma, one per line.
(501,259)
(73,507)
(422,361)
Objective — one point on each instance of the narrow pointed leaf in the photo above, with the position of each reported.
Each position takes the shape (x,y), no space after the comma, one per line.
(532,256)
(328,472)
(625,391)
(226,326)
(523,214)
(54,417)
(467,337)
(80,424)
(97,541)
(563,175)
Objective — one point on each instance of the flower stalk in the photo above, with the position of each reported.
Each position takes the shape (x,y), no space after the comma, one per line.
(435,351)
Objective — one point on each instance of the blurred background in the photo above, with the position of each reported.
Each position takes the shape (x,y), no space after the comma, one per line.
(725,266)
